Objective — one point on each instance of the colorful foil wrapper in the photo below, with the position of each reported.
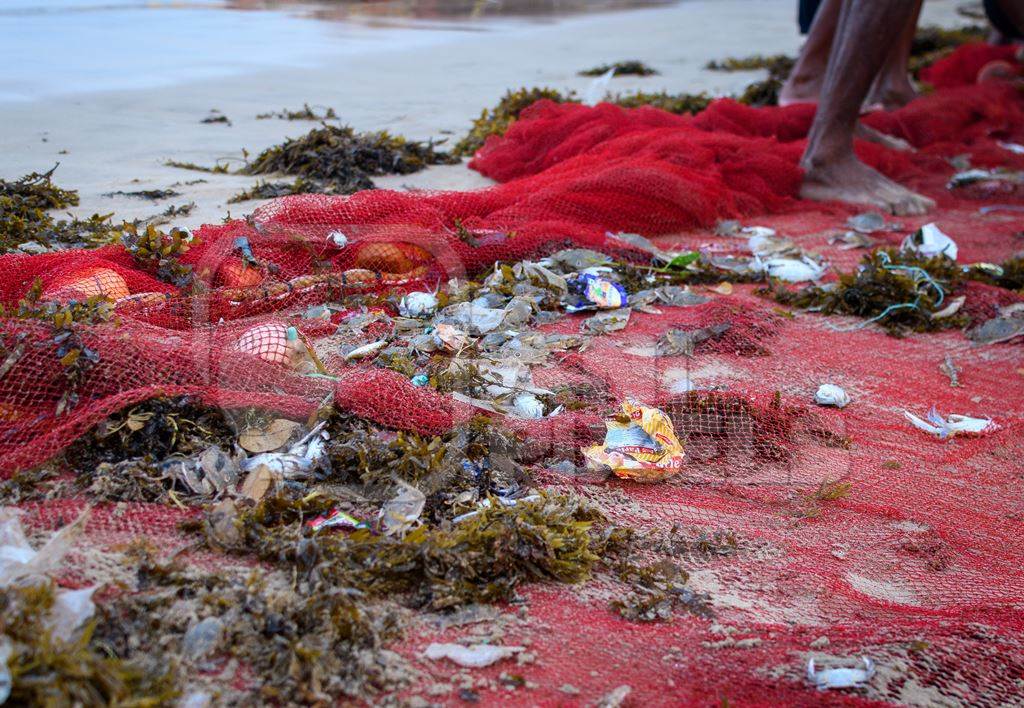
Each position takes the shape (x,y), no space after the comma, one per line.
(336,519)
(590,292)
(644,448)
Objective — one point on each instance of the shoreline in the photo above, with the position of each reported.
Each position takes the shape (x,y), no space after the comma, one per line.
(119,140)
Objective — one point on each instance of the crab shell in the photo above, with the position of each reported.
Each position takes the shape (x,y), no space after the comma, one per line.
(270,343)
(88,282)
(236,273)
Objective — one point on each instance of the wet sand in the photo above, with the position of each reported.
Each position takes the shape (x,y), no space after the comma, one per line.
(424,81)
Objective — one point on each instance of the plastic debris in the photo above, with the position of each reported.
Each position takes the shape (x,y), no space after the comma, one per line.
(19,560)
(945,427)
(590,292)
(1015,148)
(831,395)
(929,241)
(339,239)
(641,444)
(527,405)
(420,380)
(598,88)
(840,678)
(336,518)
(418,304)
(474,657)
(71,609)
(402,511)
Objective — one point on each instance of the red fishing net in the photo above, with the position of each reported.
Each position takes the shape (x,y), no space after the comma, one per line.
(919,567)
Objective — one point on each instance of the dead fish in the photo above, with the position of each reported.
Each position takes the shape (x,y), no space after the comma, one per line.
(678,342)
(950,369)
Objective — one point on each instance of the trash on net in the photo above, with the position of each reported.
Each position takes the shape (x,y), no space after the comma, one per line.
(948,426)
(929,241)
(639,444)
(841,677)
(474,657)
(831,395)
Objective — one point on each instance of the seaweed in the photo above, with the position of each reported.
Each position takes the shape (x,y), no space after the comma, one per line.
(24,217)
(149,431)
(218,169)
(150,194)
(345,160)
(481,559)
(305,113)
(657,590)
(302,185)
(496,120)
(678,103)
(632,67)
(159,252)
(900,291)
(776,64)
(48,671)
(216,117)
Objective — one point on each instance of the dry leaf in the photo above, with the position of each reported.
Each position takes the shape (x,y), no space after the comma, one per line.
(273,437)
(723,288)
(258,483)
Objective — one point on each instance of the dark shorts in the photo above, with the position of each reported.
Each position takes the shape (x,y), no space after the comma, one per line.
(809,8)
(1001,22)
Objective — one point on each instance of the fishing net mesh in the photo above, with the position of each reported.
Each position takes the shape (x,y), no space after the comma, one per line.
(918,566)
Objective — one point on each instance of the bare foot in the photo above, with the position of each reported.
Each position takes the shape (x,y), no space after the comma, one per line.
(866,132)
(850,180)
(891,93)
(800,89)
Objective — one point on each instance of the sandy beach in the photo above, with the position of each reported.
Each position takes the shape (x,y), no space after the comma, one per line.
(112,110)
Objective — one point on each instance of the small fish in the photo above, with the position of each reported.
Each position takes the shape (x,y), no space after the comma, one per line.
(950,369)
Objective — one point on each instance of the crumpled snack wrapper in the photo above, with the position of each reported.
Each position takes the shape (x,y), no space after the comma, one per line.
(644,449)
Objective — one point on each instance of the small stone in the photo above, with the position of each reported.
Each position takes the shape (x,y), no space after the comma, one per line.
(569,689)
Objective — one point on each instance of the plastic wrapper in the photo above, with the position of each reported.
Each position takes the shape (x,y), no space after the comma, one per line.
(641,445)
(592,292)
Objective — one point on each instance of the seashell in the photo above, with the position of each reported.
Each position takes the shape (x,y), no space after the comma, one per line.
(86,283)
(792,270)
(831,395)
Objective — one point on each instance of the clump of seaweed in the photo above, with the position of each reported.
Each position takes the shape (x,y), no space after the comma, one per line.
(496,121)
(219,169)
(305,113)
(24,217)
(678,103)
(302,185)
(160,252)
(900,291)
(150,194)
(308,642)
(632,67)
(150,431)
(776,64)
(480,559)
(657,590)
(48,671)
(345,160)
